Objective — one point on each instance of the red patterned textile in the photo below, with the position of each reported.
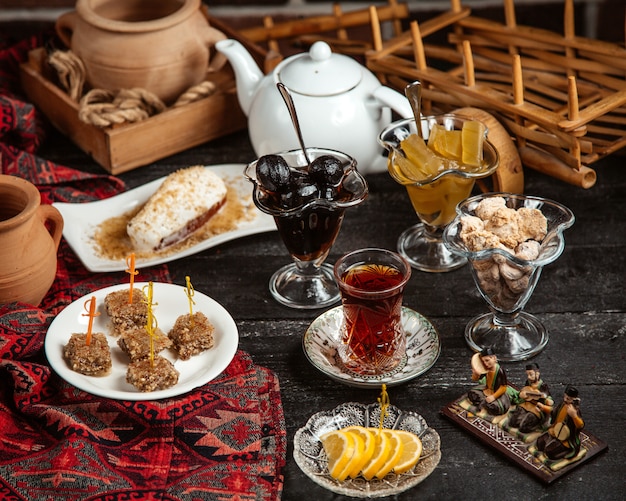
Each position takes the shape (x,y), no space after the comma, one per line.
(224,440)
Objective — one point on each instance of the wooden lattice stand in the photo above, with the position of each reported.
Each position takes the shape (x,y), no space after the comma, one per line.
(561,97)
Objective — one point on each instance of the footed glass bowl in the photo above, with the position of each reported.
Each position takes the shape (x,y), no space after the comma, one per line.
(308,224)
(434,198)
(506,280)
(311,458)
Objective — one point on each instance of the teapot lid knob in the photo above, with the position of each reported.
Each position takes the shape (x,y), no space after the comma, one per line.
(320,51)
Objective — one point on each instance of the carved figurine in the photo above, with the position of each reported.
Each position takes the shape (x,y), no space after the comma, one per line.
(562,440)
(527,415)
(491,394)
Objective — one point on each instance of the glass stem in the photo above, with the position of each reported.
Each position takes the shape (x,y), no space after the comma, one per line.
(434,233)
(505,319)
(308,268)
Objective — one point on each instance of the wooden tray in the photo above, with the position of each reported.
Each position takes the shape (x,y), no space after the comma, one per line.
(125,147)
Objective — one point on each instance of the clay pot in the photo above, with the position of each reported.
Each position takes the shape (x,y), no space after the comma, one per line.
(162,46)
(28,249)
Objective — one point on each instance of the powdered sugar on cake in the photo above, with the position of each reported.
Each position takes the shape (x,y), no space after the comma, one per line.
(185,201)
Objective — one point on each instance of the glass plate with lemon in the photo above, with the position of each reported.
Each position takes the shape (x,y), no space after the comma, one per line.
(347,451)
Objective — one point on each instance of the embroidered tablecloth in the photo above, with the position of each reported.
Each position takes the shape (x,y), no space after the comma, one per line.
(224,440)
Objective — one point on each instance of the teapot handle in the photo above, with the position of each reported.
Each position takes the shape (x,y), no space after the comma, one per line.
(65,26)
(53,217)
(394,100)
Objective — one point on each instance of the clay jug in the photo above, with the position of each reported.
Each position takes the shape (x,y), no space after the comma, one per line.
(162,46)
(29,238)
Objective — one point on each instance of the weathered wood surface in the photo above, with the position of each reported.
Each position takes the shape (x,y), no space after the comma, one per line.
(580,298)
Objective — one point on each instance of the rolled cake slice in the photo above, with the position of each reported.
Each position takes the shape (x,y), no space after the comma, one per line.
(185,201)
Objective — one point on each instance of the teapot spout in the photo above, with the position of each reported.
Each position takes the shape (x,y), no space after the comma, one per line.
(248,75)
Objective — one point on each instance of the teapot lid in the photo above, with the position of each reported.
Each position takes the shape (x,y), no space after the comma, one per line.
(319,72)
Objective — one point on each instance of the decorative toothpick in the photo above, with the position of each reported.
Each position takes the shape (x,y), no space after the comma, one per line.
(384,405)
(91,313)
(130,262)
(189,291)
(151,322)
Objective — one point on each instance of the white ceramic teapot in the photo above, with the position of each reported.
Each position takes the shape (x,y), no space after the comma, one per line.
(340,104)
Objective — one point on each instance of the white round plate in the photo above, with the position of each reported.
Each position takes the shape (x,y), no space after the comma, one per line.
(323,336)
(311,458)
(171,303)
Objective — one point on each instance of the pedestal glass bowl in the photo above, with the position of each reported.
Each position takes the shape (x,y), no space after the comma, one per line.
(507,281)
(308,221)
(435,197)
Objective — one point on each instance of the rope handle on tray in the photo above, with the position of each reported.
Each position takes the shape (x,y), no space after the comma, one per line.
(105,108)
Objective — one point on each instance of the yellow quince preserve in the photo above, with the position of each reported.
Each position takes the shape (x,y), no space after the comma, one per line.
(435,200)
(438,168)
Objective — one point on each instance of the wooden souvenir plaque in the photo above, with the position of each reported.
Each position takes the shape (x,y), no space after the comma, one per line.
(515,446)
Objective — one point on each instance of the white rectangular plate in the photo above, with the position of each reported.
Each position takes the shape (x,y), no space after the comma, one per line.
(82,220)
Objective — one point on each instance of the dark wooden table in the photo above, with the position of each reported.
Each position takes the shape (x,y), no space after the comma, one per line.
(580,298)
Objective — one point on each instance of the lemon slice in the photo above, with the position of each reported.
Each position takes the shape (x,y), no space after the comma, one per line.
(473,137)
(339,447)
(368,440)
(445,142)
(356,459)
(412,450)
(382,449)
(395,453)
